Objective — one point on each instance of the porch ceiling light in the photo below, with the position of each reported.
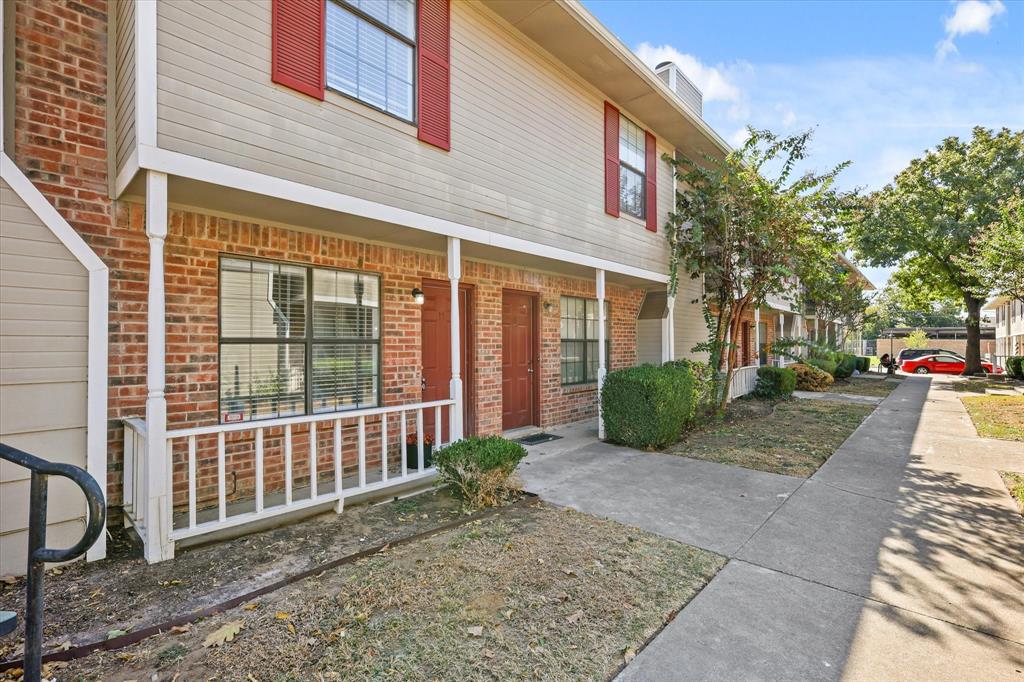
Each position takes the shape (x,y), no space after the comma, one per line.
(417,296)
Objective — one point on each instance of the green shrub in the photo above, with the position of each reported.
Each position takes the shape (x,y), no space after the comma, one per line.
(480,470)
(774,383)
(705,390)
(863,364)
(827,366)
(647,407)
(845,366)
(1015,366)
(811,378)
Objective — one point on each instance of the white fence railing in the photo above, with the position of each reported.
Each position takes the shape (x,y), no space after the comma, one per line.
(743,381)
(293,463)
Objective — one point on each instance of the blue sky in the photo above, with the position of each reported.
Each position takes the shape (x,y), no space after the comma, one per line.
(879,81)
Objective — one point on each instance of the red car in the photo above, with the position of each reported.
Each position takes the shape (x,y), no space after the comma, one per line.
(941,364)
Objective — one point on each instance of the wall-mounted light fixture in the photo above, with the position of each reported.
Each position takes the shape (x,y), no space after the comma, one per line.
(417,296)
(548,305)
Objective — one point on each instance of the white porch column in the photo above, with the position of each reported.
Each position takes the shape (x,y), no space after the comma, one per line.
(157,518)
(668,331)
(601,360)
(757,336)
(782,333)
(455,424)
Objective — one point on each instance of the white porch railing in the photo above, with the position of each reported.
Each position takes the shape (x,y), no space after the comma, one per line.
(368,436)
(743,381)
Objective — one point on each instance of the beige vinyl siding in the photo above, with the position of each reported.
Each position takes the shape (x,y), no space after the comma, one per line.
(527,135)
(124,82)
(689,319)
(43,349)
(648,342)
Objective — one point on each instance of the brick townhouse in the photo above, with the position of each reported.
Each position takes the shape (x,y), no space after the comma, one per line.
(261,256)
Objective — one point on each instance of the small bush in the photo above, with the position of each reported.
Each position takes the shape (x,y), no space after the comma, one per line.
(863,364)
(1015,366)
(824,365)
(811,378)
(705,390)
(647,407)
(845,366)
(480,470)
(774,383)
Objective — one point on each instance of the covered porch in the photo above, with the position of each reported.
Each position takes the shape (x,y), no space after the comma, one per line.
(194,468)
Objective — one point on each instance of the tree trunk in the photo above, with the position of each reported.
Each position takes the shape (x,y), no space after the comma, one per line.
(733,334)
(973,352)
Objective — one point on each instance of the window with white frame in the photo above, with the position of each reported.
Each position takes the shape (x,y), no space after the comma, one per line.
(632,168)
(296,340)
(579,339)
(370,51)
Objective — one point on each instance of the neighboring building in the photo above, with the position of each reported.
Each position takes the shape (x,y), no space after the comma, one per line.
(332,230)
(893,340)
(1009,327)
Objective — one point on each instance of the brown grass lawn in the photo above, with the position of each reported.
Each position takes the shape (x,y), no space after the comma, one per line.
(531,592)
(1015,484)
(878,388)
(997,416)
(794,437)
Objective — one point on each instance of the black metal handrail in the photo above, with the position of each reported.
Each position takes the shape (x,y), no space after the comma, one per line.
(38,553)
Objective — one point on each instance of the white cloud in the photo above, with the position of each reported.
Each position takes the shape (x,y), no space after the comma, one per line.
(970,16)
(712,81)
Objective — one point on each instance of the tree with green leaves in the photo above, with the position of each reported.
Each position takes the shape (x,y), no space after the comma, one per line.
(997,258)
(746,223)
(928,219)
(899,304)
(835,295)
(917,339)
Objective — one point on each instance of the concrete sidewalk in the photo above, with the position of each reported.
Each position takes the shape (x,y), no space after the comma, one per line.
(901,558)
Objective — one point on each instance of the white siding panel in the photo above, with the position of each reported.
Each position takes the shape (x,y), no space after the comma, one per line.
(527,135)
(648,342)
(689,319)
(43,357)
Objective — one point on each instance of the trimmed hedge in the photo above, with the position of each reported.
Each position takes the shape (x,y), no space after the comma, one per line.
(480,469)
(811,378)
(863,363)
(775,382)
(647,407)
(1015,366)
(845,366)
(704,388)
(827,366)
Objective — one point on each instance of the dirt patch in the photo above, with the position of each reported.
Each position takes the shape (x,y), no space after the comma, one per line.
(84,602)
(531,592)
(793,437)
(876,388)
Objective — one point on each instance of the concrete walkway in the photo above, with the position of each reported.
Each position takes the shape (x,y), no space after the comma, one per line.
(901,558)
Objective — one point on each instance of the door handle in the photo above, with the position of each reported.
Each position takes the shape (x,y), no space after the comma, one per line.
(530,370)
(423,383)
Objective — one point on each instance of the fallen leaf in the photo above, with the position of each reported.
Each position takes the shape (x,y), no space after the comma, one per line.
(487,653)
(628,655)
(291,627)
(178,629)
(95,593)
(251,606)
(573,618)
(169,583)
(569,572)
(111,634)
(225,633)
(508,614)
(282,615)
(9,579)
(384,549)
(476,630)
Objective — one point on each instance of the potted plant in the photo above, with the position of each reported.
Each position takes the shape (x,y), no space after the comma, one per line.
(412,455)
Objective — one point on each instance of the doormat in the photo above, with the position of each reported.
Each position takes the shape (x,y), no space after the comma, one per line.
(538,438)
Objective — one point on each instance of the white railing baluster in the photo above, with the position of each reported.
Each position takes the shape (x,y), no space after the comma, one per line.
(222,505)
(404,447)
(130,443)
(312,461)
(362,451)
(338,487)
(288,464)
(191,481)
(384,447)
(420,426)
(259,470)
(437,427)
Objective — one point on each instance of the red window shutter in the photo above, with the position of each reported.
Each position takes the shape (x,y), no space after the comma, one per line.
(651,200)
(611,159)
(297,45)
(433,63)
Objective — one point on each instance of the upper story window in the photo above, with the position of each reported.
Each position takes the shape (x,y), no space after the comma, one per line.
(296,340)
(632,165)
(370,52)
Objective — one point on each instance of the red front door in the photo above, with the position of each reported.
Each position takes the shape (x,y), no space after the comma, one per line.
(436,346)
(518,331)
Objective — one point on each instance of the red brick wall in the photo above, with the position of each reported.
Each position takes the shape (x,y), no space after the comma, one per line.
(60,142)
